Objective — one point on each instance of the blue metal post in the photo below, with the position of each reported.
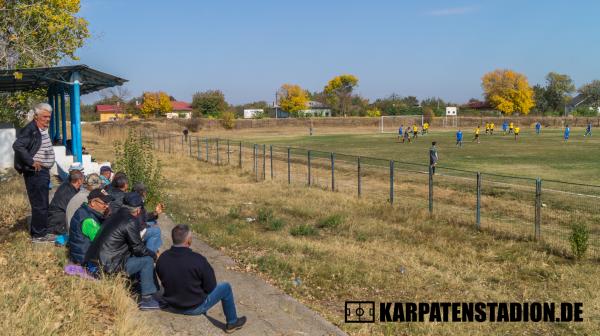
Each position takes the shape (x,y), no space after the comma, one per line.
(52,119)
(57,109)
(63,112)
(71,117)
(76,120)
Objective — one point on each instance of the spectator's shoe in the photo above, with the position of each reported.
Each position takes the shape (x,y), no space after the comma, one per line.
(235,326)
(49,238)
(148,303)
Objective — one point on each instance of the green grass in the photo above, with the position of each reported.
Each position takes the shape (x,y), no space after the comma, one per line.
(545,156)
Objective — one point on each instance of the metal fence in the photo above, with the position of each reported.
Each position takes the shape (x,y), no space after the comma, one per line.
(509,206)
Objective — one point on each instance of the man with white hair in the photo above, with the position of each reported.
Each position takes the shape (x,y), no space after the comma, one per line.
(34,156)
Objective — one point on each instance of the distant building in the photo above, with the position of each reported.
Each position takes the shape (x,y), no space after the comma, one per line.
(316,109)
(112,112)
(252,113)
(180,109)
(577,101)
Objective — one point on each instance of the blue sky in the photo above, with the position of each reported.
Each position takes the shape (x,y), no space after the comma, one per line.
(248,48)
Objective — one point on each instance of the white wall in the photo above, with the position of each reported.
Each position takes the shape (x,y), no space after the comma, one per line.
(7,138)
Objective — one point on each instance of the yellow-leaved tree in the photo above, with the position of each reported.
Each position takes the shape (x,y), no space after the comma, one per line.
(157,103)
(292,98)
(339,92)
(508,91)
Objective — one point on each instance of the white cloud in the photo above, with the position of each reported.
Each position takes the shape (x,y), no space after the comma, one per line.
(451,11)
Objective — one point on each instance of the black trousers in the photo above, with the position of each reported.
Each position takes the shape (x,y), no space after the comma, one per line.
(37,184)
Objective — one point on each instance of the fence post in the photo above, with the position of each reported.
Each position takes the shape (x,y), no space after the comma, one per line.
(199,148)
(264,172)
(182,148)
(478,209)
(217,151)
(359,177)
(289,167)
(271,159)
(332,171)
(308,165)
(169,144)
(392,182)
(207,155)
(240,159)
(430,189)
(253,158)
(190,145)
(228,159)
(256,162)
(538,208)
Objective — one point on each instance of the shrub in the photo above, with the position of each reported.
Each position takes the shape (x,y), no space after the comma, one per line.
(275,224)
(579,239)
(374,112)
(264,215)
(427,114)
(330,222)
(234,212)
(135,157)
(303,230)
(228,119)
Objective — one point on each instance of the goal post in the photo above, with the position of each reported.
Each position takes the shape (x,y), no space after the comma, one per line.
(390,124)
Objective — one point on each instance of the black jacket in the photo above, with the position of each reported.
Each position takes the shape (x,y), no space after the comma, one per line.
(117,201)
(27,144)
(118,239)
(57,217)
(186,276)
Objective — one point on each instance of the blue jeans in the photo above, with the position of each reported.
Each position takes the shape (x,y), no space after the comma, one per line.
(152,238)
(221,293)
(144,267)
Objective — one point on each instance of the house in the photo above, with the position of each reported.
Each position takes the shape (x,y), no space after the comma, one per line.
(316,109)
(112,112)
(576,102)
(252,113)
(180,109)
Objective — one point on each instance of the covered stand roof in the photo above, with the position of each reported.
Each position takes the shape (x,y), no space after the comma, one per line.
(33,78)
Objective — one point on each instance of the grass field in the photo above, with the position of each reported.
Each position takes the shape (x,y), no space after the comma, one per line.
(343,248)
(545,156)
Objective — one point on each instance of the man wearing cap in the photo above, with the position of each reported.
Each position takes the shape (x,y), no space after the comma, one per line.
(117,189)
(34,156)
(118,247)
(57,220)
(91,182)
(105,174)
(86,222)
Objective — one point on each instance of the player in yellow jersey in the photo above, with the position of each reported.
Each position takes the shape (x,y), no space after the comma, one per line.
(511,127)
(477,131)
(517,130)
(492,128)
(487,128)
(415,131)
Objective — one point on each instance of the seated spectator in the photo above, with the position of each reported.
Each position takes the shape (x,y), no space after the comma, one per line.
(91,182)
(105,175)
(150,230)
(119,247)
(57,219)
(86,223)
(117,189)
(189,281)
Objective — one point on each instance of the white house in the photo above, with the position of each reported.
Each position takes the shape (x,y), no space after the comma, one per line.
(316,109)
(252,113)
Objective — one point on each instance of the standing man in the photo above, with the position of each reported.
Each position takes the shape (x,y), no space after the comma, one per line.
(34,156)
(538,128)
(400,132)
(477,131)
(57,218)
(517,131)
(567,133)
(588,130)
(459,138)
(189,281)
(492,128)
(433,157)
(504,127)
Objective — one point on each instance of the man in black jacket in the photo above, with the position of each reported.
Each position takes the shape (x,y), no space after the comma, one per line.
(189,281)
(57,219)
(118,246)
(117,189)
(34,156)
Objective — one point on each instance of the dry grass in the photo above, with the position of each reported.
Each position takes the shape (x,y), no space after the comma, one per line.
(38,299)
(377,252)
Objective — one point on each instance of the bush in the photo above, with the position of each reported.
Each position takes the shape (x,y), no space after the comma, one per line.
(585,111)
(374,112)
(303,230)
(193,125)
(264,215)
(330,222)
(228,119)
(427,114)
(275,224)
(579,239)
(135,158)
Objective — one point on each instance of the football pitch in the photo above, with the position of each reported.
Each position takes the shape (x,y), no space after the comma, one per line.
(546,156)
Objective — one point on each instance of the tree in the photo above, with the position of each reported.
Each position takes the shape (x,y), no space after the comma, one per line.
(36,33)
(558,90)
(292,98)
(210,102)
(592,93)
(339,91)
(508,91)
(539,94)
(156,103)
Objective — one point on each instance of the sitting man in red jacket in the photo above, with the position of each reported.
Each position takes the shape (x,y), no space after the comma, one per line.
(189,281)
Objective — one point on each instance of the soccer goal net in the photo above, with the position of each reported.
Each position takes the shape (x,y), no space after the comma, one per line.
(390,124)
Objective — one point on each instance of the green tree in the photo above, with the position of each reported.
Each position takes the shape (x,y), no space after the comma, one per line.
(592,93)
(339,92)
(558,90)
(210,102)
(36,33)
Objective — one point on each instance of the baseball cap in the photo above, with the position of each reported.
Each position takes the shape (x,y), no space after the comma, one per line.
(101,194)
(133,199)
(76,166)
(105,168)
(93,180)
